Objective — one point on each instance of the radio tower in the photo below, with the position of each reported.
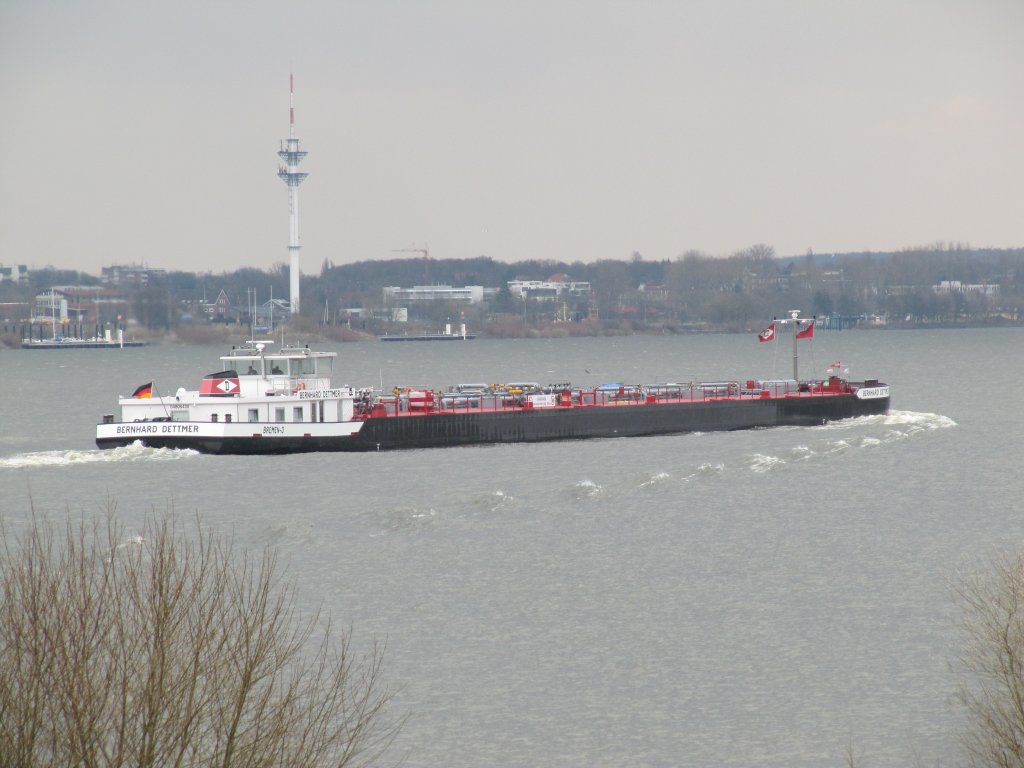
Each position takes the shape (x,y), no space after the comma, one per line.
(289,172)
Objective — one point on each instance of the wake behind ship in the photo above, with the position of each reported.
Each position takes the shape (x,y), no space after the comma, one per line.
(283,401)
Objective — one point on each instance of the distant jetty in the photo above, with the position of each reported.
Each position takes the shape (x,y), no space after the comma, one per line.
(446,336)
(68,342)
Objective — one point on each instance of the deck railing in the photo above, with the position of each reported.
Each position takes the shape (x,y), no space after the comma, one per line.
(399,405)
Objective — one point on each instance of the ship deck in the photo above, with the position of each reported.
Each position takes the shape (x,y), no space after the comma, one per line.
(626,396)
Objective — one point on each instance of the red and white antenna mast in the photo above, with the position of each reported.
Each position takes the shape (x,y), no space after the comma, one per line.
(289,172)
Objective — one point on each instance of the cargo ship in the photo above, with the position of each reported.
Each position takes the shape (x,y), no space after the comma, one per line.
(266,401)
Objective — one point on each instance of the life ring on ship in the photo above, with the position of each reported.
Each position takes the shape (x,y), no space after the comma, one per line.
(299,387)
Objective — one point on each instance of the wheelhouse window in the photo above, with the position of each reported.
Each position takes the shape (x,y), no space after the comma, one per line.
(303,366)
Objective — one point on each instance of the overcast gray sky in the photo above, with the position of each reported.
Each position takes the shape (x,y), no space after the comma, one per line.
(137,132)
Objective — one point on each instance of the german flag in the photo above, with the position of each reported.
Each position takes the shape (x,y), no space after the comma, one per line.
(145,391)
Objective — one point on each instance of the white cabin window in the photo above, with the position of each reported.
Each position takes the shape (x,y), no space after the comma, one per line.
(254,414)
(297,413)
(279,414)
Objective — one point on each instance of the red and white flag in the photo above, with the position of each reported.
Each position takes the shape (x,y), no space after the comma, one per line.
(806,333)
(768,334)
(220,384)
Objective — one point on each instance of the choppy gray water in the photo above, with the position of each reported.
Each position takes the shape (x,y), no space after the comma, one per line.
(764,598)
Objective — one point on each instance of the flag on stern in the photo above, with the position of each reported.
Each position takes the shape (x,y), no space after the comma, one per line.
(806,333)
(220,384)
(768,334)
(145,391)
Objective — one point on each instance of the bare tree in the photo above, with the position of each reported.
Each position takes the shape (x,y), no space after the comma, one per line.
(993,658)
(171,649)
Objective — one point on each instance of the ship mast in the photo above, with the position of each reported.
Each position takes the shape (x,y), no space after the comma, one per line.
(798,324)
(289,173)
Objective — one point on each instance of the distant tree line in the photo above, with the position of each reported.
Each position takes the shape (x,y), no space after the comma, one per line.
(934,284)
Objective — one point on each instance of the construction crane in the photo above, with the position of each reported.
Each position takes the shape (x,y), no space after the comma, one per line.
(426,260)
(424,251)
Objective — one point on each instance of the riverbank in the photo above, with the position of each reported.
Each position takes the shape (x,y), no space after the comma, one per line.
(221,335)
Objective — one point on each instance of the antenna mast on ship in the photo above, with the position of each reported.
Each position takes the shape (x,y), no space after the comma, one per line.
(798,324)
(289,173)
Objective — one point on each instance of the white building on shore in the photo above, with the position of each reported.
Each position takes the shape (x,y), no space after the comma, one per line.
(469,294)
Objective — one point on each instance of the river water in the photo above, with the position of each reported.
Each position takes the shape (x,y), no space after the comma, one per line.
(762,598)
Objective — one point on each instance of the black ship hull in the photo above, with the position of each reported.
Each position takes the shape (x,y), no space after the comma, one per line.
(436,430)
(446,430)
